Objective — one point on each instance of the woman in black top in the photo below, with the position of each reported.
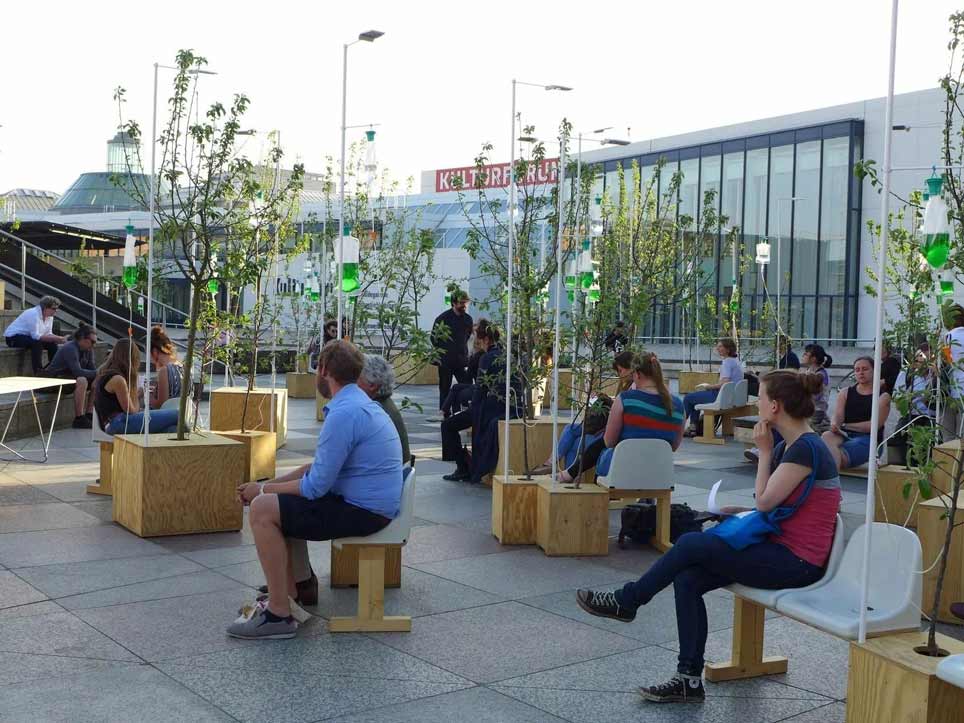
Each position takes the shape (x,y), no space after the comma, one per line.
(849,436)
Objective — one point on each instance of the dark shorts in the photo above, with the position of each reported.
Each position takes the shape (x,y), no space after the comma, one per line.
(326,518)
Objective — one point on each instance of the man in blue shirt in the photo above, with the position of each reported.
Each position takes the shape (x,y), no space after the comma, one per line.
(352,488)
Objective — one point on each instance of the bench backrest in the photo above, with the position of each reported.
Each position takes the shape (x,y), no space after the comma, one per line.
(895,562)
(724,399)
(741,393)
(96,433)
(641,464)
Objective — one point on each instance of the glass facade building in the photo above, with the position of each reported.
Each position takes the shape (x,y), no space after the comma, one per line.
(795,188)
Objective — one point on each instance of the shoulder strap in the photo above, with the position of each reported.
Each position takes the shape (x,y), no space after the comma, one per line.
(783,512)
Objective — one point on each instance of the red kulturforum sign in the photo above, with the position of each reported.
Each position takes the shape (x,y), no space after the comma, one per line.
(496,175)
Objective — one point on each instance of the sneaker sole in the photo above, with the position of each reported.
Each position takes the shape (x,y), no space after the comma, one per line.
(276,636)
(646,695)
(598,614)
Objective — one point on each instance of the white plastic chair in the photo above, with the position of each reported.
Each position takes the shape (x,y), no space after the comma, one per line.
(894,597)
(644,468)
(724,400)
(175,403)
(768,598)
(371,569)
(951,670)
(104,484)
(741,393)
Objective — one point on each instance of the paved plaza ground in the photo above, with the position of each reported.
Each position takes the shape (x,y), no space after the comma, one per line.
(98,624)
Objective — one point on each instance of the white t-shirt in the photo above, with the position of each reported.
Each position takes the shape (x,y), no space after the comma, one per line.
(31,323)
(955,342)
(731,370)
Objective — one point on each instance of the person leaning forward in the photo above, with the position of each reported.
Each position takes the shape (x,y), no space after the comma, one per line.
(353,488)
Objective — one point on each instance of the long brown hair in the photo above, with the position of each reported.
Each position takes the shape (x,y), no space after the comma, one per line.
(648,365)
(793,390)
(124,360)
(161,342)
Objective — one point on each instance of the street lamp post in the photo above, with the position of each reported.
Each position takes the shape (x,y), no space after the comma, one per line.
(369,36)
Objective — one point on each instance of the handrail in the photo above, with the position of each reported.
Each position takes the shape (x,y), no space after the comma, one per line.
(62,294)
(154,302)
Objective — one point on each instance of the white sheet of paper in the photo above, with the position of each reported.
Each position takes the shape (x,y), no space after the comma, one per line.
(711,505)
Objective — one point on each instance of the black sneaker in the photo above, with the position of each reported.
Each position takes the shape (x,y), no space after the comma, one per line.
(82,422)
(751,455)
(677,690)
(457,476)
(604,605)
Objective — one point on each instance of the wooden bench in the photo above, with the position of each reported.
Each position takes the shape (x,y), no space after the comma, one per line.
(830,604)
(371,570)
(731,402)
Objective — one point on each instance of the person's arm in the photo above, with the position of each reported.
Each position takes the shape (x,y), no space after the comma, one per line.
(161,391)
(117,386)
(614,424)
(784,480)
(287,484)
(71,360)
(838,411)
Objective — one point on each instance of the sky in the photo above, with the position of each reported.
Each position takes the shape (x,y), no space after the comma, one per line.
(439,81)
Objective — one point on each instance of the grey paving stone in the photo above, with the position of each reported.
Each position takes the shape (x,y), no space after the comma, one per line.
(655,623)
(222,556)
(44,607)
(452,507)
(431,466)
(69,491)
(830,713)
(58,634)
(16,592)
(103,510)
(524,573)
(159,629)
(625,672)
(210,541)
(48,516)
(80,577)
(635,558)
(479,705)
(21,667)
(195,583)
(104,542)
(480,523)
(297,697)
(20,493)
(348,655)
(120,694)
(501,641)
(579,706)
(420,594)
(447,542)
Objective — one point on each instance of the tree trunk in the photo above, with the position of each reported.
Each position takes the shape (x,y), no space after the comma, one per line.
(253,361)
(186,386)
(939,588)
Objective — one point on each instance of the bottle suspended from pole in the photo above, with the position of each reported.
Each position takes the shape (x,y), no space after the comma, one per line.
(130,260)
(586,273)
(570,280)
(213,285)
(937,240)
(350,247)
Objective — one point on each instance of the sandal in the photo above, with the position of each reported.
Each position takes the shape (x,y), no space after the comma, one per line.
(541,469)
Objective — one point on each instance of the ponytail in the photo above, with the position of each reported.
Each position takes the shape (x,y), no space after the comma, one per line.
(648,365)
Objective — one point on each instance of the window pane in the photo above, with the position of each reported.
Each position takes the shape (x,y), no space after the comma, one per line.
(754,218)
(732,207)
(778,231)
(833,217)
(665,177)
(710,181)
(646,179)
(806,191)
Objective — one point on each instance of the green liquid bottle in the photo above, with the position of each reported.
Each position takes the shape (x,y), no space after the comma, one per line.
(314,295)
(734,305)
(936,249)
(937,244)
(130,276)
(213,286)
(586,279)
(947,288)
(571,295)
(349,279)
(570,282)
(594,295)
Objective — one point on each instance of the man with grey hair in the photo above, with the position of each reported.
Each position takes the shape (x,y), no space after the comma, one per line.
(377,380)
(34,330)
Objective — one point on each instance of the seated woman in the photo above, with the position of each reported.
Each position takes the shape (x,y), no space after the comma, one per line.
(623,364)
(701,561)
(849,435)
(115,397)
(170,372)
(648,411)
(573,437)
(731,370)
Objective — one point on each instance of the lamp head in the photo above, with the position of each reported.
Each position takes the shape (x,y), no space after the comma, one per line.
(370,36)
(563,88)
(615,142)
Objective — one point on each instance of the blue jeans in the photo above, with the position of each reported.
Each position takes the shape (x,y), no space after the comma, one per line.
(698,563)
(162,420)
(703,396)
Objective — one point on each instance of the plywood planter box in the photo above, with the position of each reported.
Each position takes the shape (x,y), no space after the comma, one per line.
(889,683)
(890,504)
(259,451)
(932,529)
(227,404)
(514,505)
(572,521)
(408,371)
(177,487)
(538,441)
(300,385)
(688,381)
(344,566)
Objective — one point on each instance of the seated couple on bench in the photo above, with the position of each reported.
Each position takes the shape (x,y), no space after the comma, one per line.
(353,488)
(703,561)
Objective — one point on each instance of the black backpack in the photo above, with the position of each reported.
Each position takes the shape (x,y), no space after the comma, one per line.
(639,521)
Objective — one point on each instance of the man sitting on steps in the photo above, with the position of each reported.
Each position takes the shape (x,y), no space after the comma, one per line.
(353,488)
(75,360)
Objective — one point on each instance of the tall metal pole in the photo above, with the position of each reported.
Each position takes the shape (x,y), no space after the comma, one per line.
(150,270)
(341,191)
(572,307)
(878,329)
(274,292)
(555,341)
(508,305)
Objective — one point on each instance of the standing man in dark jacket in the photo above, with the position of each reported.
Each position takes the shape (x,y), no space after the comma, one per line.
(450,335)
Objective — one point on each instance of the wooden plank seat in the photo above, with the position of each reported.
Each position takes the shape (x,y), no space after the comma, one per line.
(371,570)
(831,604)
(743,429)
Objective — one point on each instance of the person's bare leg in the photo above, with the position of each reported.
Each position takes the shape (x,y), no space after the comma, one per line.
(265,520)
(89,404)
(300,565)
(80,395)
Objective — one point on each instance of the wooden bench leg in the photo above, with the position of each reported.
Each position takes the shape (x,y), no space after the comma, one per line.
(104,485)
(371,598)
(728,425)
(747,659)
(661,539)
(709,430)
(344,566)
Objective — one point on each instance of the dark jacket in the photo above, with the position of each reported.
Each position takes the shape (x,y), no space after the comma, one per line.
(395,415)
(488,407)
(71,363)
(455,349)
(789,361)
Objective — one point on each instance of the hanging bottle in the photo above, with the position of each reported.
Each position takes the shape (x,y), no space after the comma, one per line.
(130,260)
(213,285)
(349,263)
(937,242)
(586,275)
(594,294)
(570,279)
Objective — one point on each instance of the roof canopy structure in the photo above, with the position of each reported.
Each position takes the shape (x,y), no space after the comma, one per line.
(57,237)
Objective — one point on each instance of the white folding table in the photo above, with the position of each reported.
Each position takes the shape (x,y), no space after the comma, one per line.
(19,385)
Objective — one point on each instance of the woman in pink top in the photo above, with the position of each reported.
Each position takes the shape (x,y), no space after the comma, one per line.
(700,562)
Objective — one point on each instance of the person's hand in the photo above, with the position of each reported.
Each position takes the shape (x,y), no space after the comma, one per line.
(763,437)
(702,385)
(247,492)
(734,509)
(835,428)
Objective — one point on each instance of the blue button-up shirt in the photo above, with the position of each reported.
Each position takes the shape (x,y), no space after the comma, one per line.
(358,455)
